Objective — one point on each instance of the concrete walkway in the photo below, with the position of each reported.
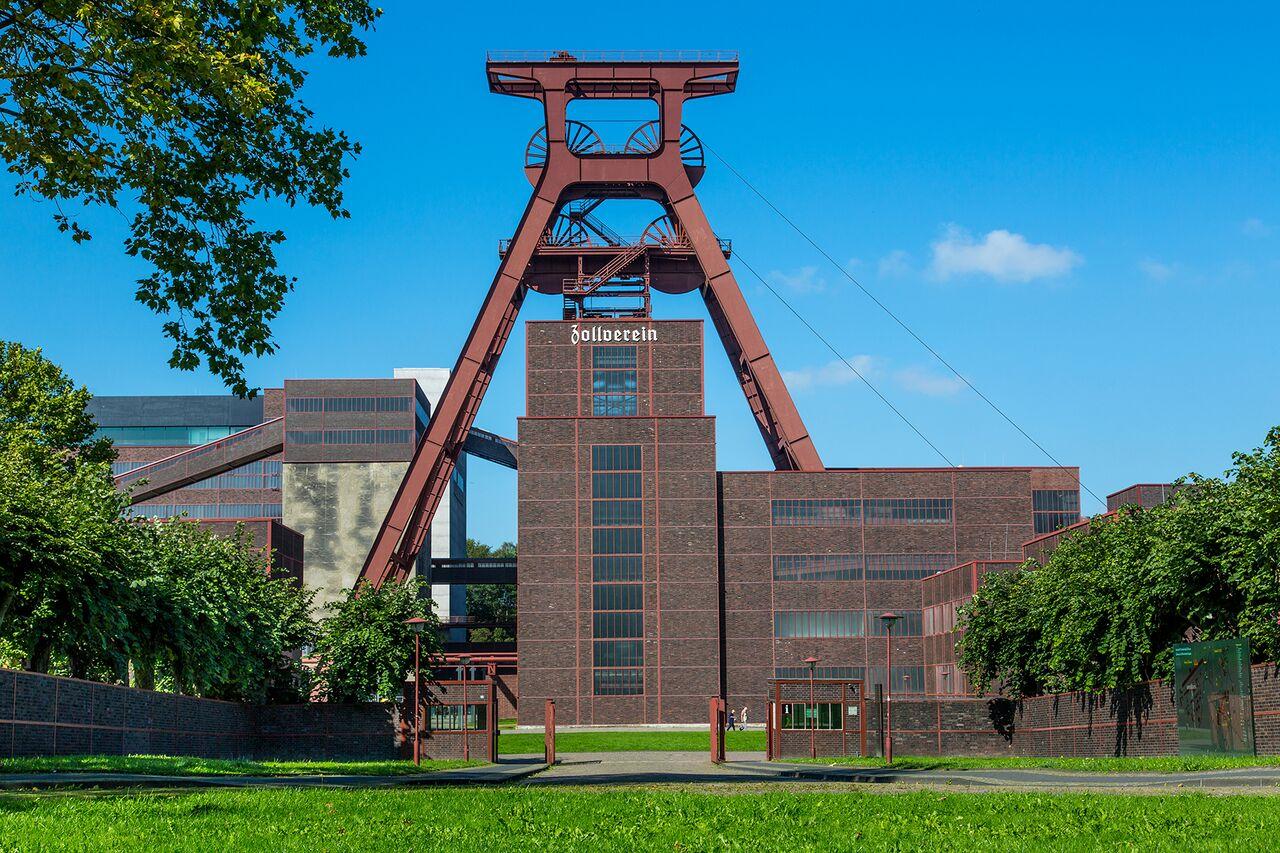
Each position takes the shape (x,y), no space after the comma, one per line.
(507,770)
(1242,777)
(647,768)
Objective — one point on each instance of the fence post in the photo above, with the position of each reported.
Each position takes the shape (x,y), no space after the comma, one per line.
(549,733)
(717,730)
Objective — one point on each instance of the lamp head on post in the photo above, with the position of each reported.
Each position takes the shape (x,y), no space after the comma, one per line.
(417,624)
(888,619)
(812,662)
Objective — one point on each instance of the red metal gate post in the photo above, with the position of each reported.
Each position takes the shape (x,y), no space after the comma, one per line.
(549,733)
(717,730)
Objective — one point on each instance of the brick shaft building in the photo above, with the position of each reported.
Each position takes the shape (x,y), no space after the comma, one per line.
(650,582)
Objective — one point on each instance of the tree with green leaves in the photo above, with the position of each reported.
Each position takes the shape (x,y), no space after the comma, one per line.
(183,115)
(491,602)
(1108,605)
(365,649)
(87,591)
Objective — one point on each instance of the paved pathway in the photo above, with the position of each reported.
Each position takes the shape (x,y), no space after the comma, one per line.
(645,768)
(1243,777)
(642,768)
(508,770)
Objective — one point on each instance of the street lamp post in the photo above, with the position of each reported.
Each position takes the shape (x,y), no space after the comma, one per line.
(465,660)
(813,710)
(888,619)
(416,625)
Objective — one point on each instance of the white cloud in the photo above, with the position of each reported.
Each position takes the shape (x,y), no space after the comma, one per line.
(1255,227)
(1157,270)
(922,381)
(802,280)
(896,264)
(831,374)
(1001,254)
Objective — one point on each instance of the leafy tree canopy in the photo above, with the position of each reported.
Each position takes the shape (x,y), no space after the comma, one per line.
(1104,610)
(89,592)
(365,648)
(491,602)
(41,407)
(180,114)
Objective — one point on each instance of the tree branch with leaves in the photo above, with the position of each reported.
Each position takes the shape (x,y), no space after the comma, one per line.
(180,114)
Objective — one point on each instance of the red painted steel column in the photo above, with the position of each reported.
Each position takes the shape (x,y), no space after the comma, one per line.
(466,752)
(417,699)
(717,730)
(549,733)
(888,694)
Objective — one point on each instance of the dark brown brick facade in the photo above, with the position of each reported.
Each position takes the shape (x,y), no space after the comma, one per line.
(712,598)
(681,648)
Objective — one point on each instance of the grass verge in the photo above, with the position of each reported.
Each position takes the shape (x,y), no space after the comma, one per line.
(633,819)
(1165,764)
(170,765)
(523,743)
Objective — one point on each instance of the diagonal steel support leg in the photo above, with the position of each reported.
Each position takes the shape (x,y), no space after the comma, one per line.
(775,412)
(408,520)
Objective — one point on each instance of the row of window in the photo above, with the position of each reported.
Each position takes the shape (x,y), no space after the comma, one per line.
(827,716)
(617,568)
(613,357)
(614,382)
(617,513)
(164,436)
(207,510)
(615,485)
(349,404)
(617,540)
(617,596)
(350,436)
(617,682)
(1047,522)
(1056,500)
(851,512)
(617,624)
(813,624)
(941,618)
(856,567)
(906,679)
(455,718)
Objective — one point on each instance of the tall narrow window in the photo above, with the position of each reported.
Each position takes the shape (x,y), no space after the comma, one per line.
(617,548)
(613,381)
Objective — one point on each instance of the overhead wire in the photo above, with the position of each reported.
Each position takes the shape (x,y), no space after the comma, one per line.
(885,308)
(847,363)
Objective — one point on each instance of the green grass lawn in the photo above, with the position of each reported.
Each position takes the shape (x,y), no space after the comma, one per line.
(168,765)
(693,740)
(465,819)
(1169,764)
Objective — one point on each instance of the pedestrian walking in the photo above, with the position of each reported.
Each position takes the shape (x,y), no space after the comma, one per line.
(742,717)
(732,723)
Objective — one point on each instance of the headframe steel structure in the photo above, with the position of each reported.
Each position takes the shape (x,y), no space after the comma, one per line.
(571,169)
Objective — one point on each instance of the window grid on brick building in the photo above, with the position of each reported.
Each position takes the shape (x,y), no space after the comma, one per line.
(348,404)
(1053,509)
(856,567)
(848,512)
(614,381)
(617,545)
(820,624)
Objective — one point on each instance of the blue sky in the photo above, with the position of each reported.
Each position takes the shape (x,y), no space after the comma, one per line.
(1079,208)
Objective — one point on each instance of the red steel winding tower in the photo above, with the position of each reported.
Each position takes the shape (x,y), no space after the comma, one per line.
(560,248)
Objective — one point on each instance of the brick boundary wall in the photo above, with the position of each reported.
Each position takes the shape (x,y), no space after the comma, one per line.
(51,715)
(1142,722)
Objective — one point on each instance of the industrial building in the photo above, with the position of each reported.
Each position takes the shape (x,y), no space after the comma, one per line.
(649,581)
